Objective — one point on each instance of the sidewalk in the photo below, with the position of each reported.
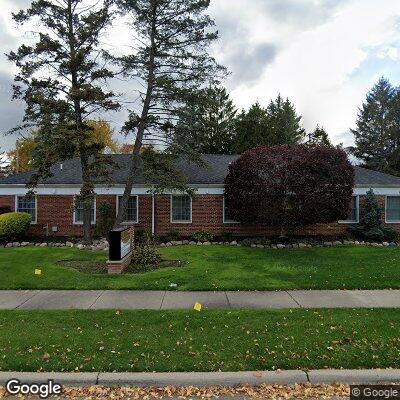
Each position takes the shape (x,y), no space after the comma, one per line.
(170,300)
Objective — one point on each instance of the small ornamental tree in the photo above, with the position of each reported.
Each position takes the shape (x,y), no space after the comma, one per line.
(290,186)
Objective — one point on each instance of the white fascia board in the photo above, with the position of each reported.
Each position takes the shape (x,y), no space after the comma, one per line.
(71,190)
(384,191)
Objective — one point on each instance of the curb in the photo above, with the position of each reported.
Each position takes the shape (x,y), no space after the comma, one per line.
(203,379)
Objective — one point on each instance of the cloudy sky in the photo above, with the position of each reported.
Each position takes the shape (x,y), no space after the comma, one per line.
(322,54)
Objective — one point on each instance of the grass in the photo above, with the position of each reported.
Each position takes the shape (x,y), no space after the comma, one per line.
(212,268)
(204,341)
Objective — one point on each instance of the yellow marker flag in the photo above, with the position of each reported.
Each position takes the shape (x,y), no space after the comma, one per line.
(197,306)
(38,272)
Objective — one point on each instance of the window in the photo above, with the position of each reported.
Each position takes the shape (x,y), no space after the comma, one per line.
(131,214)
(181,209)
(78,212)
(27,204)
(353,215)
(227,216)
(392,208)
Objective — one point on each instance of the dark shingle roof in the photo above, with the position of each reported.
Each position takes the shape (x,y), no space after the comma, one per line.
(214,173)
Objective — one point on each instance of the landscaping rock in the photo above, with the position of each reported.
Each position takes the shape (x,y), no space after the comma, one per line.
(206,244)
(16,244)
(69,244)
(24,244)
(234,243)
(169,244)
(199,244)
(192,243)
(357,243)
(288,246)
(44,244)
(253,245)
(260,246)
(328,244)
(337,243)
(385,244)
(295,245)
(185,242)
(273,246)
(162,245)
(80,246)
(280,246)
(392,244)
(9,245)
(302,246)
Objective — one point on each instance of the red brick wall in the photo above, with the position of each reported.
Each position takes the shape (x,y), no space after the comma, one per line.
(56,210)
(7,201)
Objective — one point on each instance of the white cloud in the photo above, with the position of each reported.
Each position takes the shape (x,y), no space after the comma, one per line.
(316,65)
(323,54)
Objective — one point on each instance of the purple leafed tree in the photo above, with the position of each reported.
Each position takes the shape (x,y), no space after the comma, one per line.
(290,186)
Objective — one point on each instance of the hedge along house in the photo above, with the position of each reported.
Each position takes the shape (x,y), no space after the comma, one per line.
(54,211)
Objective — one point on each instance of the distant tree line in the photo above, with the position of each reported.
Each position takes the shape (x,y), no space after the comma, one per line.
(215,126)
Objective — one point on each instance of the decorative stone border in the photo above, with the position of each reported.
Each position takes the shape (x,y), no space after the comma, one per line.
(299,245)
(103,244)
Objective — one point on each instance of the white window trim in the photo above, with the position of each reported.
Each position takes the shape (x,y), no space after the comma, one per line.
(81,222)
(223,214)
(137,210)
(191,209)
(36,210)
(386,220)
(349,221)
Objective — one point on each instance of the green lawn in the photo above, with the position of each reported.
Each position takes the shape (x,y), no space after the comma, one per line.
(204,341)
(213,268)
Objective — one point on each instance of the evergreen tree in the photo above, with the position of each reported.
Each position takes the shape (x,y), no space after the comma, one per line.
(209,123)
(318,137)
(279,124)
(252,129)
(61,78)
(284,123)
(170,62)
(376,136)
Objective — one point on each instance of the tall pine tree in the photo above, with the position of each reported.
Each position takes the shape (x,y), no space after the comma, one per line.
(278,124)
(252,129)
(318,137)
(209,124)
(284,123)
(62,79)
(377,133)
(169,62)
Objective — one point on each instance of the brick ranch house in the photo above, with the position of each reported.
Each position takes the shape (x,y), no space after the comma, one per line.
(53,211)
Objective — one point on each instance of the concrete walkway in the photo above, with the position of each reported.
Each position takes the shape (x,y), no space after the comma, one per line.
(170,300)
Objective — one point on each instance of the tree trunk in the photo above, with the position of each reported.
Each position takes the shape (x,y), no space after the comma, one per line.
(136,164)
(87,197)
(87,190)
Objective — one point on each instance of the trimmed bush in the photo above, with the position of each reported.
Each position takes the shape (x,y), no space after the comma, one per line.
(144,259)
(144,237)
(14,225)
(370,226)
(390,234)
(105,220)
(172,235)
(203,236)
(289,186)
